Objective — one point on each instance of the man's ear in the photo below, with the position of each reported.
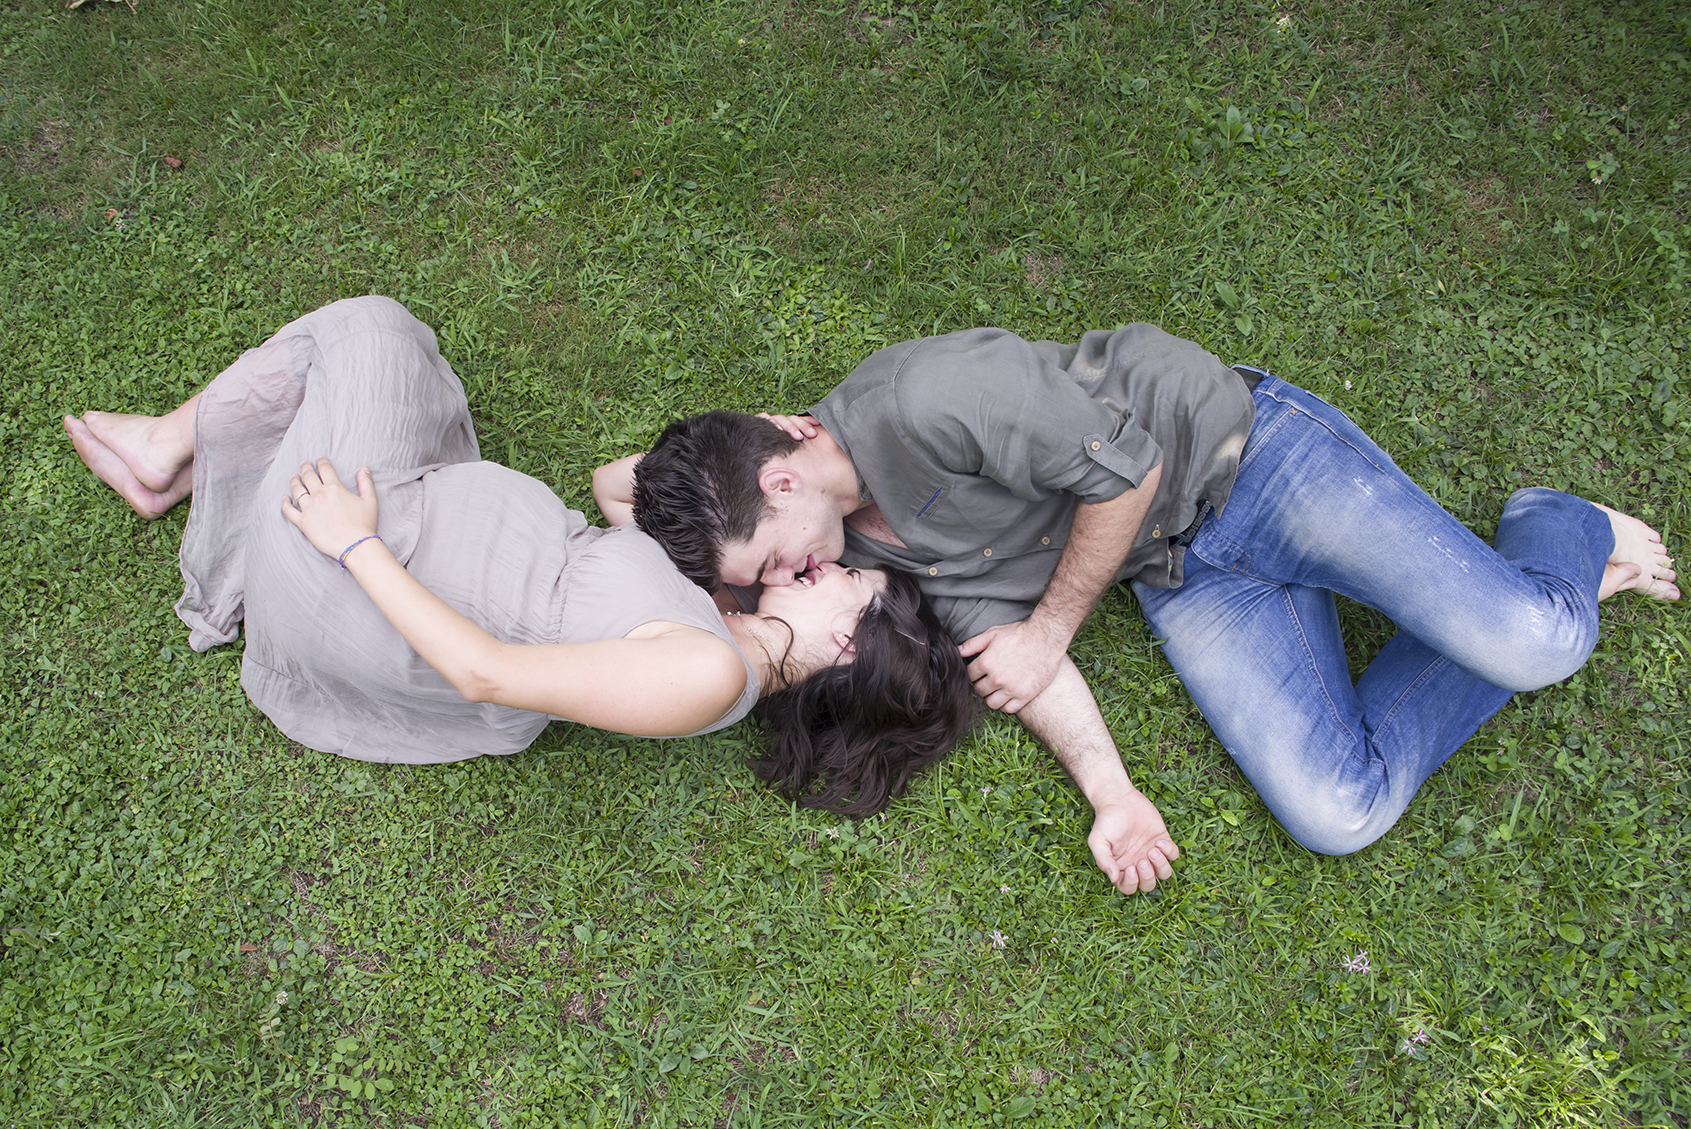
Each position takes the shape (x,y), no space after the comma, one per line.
(778,481)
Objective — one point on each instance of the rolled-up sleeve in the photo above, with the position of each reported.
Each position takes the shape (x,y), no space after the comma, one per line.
(992,405)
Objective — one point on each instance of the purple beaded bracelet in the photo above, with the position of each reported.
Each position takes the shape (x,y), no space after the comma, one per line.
(355,544)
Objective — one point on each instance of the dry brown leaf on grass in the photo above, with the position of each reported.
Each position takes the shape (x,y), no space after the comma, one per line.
(80,3)
(173,162)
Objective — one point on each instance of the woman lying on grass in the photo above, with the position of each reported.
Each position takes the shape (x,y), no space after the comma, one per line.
(470,606)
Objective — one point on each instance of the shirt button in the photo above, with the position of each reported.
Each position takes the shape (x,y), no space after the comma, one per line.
(1096,444)
(1045,540)
(934,571)
(1157,531)
(986,552)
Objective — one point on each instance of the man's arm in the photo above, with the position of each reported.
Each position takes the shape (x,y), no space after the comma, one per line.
(1015,662)
(1129,840)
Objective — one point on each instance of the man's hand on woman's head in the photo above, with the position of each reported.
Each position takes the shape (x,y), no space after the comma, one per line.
(331,516)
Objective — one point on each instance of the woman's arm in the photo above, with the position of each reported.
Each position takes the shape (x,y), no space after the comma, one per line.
(662,679)
(613,489)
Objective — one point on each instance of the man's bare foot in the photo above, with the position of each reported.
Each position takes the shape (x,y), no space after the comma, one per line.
(114,472)
(1639,563)
(142,443)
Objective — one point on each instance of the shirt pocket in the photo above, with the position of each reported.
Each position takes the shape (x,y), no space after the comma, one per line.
(935,500)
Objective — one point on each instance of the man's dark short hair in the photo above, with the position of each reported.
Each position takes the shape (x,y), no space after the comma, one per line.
(697,488)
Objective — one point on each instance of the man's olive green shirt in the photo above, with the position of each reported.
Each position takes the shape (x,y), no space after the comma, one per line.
(979,445)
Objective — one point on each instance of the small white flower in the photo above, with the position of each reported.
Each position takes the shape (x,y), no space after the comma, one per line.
(998,939)
(1347,386)
(833,832)
(1406,1048)
(986,790)
(1004,889)
(1358,963)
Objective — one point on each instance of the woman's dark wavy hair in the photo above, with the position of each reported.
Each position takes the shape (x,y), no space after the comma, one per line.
(848,737)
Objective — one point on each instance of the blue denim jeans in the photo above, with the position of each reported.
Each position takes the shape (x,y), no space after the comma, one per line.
(1318,508)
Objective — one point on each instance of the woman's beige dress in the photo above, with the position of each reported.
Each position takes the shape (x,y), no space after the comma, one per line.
(363,382)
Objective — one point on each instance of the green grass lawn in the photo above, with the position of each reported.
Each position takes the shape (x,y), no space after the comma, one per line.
(1469,228)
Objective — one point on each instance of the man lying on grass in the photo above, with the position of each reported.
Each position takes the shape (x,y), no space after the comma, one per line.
(1017,480)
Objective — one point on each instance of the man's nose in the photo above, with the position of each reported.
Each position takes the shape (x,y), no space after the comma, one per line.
(780,576)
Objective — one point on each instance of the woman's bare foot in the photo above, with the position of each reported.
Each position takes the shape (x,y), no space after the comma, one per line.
(150,446)
(1639,563)
(109,468)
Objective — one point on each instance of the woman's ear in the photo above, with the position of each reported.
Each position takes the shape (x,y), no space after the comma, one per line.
(843,641)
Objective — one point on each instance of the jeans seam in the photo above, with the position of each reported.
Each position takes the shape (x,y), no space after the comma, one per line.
(1398,703)
(1318,420)
(1309,660)
(1262,440)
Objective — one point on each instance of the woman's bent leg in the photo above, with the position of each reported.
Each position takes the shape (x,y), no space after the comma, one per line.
(1318,508)
(360,381)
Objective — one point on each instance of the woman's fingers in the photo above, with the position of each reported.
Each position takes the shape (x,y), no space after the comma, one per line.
(326,472)
(319,478)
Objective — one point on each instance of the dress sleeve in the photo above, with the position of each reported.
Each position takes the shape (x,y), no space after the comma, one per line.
(987,402)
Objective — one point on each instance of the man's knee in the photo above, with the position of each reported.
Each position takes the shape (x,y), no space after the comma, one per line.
(1337,839)
(1326,814)
(1534,659)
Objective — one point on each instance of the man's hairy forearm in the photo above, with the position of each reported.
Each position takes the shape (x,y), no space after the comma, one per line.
(1129,840)
(1099,541)
(1065,717)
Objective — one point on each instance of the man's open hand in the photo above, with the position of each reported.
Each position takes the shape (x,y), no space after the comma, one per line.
(1131,844)
(1014,663)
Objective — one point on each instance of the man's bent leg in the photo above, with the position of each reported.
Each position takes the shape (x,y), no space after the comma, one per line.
(1317,503)
(1317,508)
(1335,764)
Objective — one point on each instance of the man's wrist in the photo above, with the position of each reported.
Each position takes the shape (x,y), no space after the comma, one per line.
(1052,627)
(1111,793)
